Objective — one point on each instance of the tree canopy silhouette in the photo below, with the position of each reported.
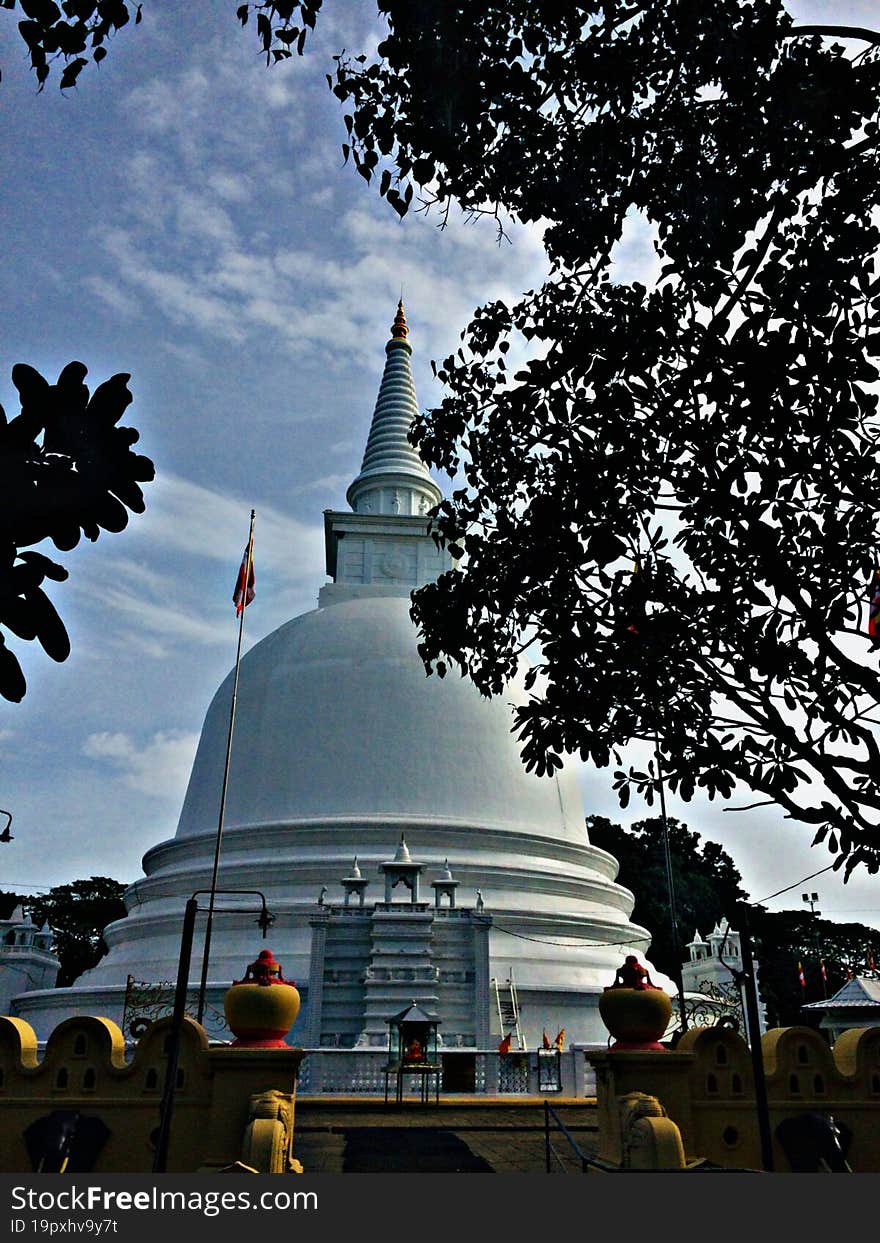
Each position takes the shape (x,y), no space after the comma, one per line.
(714,426)
(77,913)
(707,884)
(66,470)
(785,938)
(708,889)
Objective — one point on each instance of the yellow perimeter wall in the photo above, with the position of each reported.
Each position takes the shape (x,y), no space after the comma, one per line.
(230,1104)
(706,1087)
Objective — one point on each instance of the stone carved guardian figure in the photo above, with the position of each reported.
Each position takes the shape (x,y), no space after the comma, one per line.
(268,1138)
(649,1139)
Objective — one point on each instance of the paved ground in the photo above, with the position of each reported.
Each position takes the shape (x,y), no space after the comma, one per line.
(350,1135)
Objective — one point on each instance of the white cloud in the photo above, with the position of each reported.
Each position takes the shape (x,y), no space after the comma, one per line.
(175,585)
(634,258)
(159,767)
(116,298)
(188,517)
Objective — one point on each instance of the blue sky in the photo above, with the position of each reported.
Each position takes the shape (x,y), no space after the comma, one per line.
(184,215)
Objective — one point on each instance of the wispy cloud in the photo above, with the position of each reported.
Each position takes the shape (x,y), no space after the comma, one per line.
(160,766)
(190,243)
(160,592)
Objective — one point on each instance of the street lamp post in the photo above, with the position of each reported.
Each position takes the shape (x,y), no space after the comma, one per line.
(811,899)
(166,1109)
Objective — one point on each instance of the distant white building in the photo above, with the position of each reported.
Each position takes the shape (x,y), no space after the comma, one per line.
(26,958)
(713,971)
(342,746)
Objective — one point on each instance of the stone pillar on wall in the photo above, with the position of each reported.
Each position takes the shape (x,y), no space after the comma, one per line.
(312,1035)
(481,925)
(665,1076)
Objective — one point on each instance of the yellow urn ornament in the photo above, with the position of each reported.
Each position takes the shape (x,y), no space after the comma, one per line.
(261,1008)
(635,1011)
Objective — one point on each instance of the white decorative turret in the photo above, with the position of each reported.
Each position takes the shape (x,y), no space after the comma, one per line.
(354,883)
(724,943)
(698,947)
(26,958)
(715,968)
(402,871)
(445,886)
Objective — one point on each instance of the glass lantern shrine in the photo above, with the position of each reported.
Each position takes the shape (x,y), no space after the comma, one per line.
(412,1050)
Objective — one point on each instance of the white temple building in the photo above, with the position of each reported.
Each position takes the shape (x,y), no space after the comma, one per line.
(26,958)
(344,750)
(714,971)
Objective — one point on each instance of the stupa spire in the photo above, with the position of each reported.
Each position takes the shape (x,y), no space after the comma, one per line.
(393,479)
(400,327)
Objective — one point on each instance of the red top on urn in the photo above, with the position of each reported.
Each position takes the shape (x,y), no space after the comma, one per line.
(264,971)
(632,975)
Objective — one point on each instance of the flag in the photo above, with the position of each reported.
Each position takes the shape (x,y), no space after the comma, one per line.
(824,972)
(801,976)
(240,598)
(560,1039)
(849,973)
(874,610)
(545,1040)
(869,960)
(504,1047)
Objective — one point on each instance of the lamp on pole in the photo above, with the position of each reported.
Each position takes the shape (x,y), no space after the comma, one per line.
(753,1027)
(166,1109)
(811,899)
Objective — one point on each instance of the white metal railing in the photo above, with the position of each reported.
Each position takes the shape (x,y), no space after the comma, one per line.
(361,1072)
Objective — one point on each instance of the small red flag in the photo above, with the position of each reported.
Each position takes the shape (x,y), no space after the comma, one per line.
(874,610)
(241,598)
(824,972)
(801,976)
(560,1039)
(545,1041)
(504,1047)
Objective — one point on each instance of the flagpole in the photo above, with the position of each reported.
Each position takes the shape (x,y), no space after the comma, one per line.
(210,917)
(670,887)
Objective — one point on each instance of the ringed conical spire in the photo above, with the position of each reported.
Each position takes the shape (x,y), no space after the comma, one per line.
(393,479)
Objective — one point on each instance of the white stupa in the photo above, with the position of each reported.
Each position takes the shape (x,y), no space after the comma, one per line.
(342,745)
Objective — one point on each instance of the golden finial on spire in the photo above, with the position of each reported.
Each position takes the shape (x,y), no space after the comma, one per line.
(399,328)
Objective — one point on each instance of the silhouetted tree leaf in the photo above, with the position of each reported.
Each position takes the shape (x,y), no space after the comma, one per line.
(66,470)
(12,683)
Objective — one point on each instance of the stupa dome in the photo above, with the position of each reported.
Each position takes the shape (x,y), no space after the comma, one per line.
(336,719)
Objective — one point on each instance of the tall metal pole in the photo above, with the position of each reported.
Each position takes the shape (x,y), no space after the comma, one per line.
(160,1160)
(670,887)
(206,953)
(754,1027)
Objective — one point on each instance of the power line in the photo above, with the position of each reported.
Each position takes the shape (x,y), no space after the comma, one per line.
(571,940)
(802,881)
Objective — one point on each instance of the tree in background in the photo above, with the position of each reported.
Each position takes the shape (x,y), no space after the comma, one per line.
(77,913)
(708,886)
(785,938)
(72,32)
(66,469)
